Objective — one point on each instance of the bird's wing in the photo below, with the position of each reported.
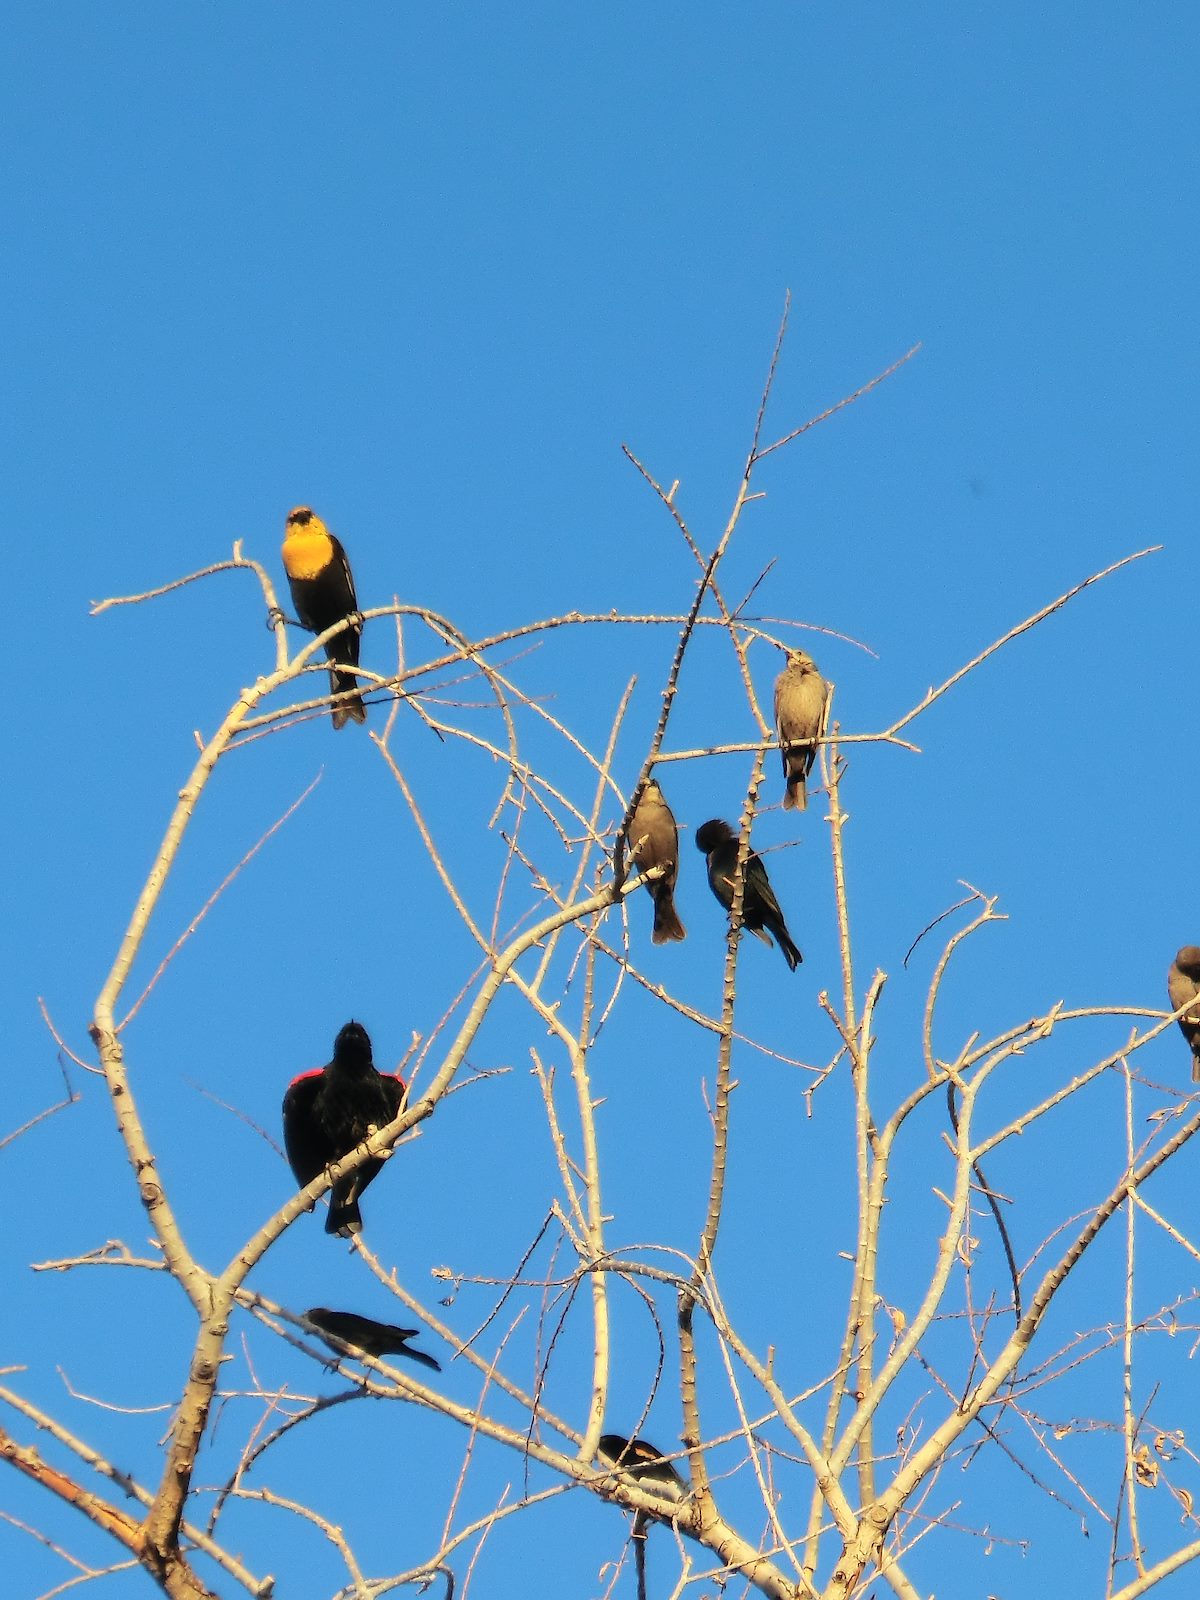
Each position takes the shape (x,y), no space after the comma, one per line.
(339,556)
(306,1155)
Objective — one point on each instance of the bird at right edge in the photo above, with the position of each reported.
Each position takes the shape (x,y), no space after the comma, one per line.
(1183,986)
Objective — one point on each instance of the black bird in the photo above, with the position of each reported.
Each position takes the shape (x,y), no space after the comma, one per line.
(375,1338)
(654,842)
(643,1463)
(1183,985)
(330,1110)
(760,909)
(323,593)
(801,698)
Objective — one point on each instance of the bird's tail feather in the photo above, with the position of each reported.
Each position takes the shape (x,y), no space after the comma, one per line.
(797,763)
(667,926)
(419,1355)
(351,710)
(795,796)
(344,1217)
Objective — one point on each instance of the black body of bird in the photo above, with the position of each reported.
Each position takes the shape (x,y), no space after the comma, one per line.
(375,1338)
(1183,985)
(330,1110)
(801,696)
(760,909)
(654,842)
(644,1463)
(323,593)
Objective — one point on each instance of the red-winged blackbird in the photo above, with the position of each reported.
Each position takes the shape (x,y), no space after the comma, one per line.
(801,694)
(323,593)
(375,1338)
(654,842)
(644,1463)
(760,909)
(330,1110)
(1183,985)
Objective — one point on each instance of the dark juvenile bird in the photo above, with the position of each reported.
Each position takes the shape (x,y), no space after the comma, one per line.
(375,1338)
(643,1463)
(801,696)
(323,593)
(330,1110)
(760,909)
(1183,985)
(654,842)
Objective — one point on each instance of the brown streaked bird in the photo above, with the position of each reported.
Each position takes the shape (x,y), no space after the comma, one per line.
(760,909)
(654,842)
(322,588)
(1183,987)
(801,698)
(376,1339)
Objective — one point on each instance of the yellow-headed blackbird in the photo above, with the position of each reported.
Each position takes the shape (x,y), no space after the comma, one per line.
(801,695)
(760,909)
(654,842)
(377,1339)
(323,593)
(329,1111)
(644,1463)
(1183,985)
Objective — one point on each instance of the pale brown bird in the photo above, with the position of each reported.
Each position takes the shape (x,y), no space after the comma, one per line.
(1183,986)
(801,696)
(654,842)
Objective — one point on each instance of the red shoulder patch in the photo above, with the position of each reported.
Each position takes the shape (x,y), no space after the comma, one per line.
(303,1077)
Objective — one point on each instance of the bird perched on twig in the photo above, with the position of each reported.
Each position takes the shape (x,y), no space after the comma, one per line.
(643,1463)
(323,593)
(329,1111)
(801,701)
(363,1333)
(654,842)
(760,909)
(1183,986)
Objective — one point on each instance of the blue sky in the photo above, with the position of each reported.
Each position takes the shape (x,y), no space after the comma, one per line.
(427,269)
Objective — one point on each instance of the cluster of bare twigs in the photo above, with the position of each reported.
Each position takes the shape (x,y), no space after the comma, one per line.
(932,1367)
